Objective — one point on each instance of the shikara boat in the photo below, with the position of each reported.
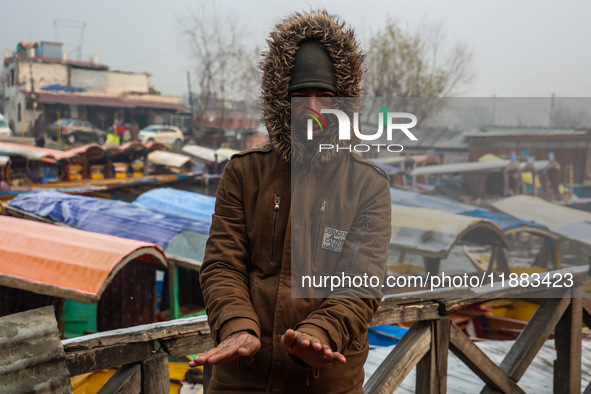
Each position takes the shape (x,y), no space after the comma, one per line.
(182,239)
(91,169)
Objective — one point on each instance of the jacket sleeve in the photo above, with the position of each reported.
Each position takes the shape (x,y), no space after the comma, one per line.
(224,278)
(345,314)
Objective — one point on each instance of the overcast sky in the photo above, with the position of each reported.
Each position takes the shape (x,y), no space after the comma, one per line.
(521,48)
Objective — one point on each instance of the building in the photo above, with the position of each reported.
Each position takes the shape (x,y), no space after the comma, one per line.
(38,77)
(569,147)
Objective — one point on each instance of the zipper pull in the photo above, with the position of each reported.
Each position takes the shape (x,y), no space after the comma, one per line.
(323,207)
(366,220)
(277,203)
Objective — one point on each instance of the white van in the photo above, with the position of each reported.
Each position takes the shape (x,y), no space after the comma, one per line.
(4,129)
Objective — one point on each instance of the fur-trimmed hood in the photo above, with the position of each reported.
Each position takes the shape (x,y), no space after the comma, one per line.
(277,66)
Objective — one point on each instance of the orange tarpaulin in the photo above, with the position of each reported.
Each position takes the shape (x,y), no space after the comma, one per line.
(65,262)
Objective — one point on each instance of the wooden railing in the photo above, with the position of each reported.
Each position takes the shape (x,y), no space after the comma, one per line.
(143,350)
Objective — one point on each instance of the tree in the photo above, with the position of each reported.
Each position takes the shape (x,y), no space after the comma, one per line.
(220,60)
(406,66)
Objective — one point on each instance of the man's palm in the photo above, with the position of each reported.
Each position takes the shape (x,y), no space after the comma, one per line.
(239,344)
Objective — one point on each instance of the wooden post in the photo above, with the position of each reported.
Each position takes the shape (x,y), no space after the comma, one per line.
(432,369)
(479,363)
(127,380)
(155,377)
(534,335)
(567,366)
(403,358)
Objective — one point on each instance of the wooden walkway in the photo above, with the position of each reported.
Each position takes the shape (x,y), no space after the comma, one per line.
(425,346)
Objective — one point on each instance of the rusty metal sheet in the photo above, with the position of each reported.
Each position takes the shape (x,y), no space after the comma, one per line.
(32,356)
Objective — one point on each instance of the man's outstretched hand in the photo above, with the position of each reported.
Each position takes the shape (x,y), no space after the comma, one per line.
(239,344)
(309,349)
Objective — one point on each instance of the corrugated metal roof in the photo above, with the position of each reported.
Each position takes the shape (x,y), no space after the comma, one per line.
(33,358)
(106,101)
(522,131)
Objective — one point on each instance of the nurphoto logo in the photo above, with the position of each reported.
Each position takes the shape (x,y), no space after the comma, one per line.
(345,129)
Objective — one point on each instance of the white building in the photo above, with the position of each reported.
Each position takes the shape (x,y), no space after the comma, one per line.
(38,77)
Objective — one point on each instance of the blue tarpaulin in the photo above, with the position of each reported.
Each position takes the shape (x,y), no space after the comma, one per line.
(178,202)
(181,236)
(412,199)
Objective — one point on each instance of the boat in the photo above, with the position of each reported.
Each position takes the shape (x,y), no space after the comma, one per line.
(107,171)
(43,264)
(182,203)
(115,278)
(181,238)
(489,178)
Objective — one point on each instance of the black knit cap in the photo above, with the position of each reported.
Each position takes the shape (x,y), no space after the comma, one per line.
(313,68)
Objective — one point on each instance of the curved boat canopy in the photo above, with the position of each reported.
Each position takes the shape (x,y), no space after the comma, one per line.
(507,223)
(570,223)
(178,202)
(433,233)
(65,262)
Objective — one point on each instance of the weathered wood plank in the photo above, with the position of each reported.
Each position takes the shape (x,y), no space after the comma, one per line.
(432,369)
(568,334)
(391,312)
(144,333)
(426,376)
(479,362)
(443,327)
(180,347)
(155,377)
(390,374)
(535,334)
(90,360)
(127,380)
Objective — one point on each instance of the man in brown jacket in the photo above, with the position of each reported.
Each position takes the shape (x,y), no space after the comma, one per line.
(288,210)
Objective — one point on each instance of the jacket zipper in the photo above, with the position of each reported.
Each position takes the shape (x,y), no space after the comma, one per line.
(275,214)
(364,226)
(318,235)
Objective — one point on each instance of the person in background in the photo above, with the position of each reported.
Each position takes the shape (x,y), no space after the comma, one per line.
(40,130)
(135,130)
(121,131)
(112,138)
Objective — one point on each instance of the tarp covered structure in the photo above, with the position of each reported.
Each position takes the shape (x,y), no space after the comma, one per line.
(65,262)
(176,235)
(433,233)
(570,223)
(178,202)
(505,222)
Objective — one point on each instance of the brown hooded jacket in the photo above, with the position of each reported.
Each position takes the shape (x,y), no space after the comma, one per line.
(336,210)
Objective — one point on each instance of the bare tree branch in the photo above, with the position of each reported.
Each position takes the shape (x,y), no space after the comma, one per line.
(402,64)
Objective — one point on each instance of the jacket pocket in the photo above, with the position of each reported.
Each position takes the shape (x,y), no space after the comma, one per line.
(317,240)
(276,206)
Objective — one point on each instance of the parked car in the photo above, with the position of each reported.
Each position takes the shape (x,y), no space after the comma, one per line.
(4,129)
(77,130)
(162,133)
